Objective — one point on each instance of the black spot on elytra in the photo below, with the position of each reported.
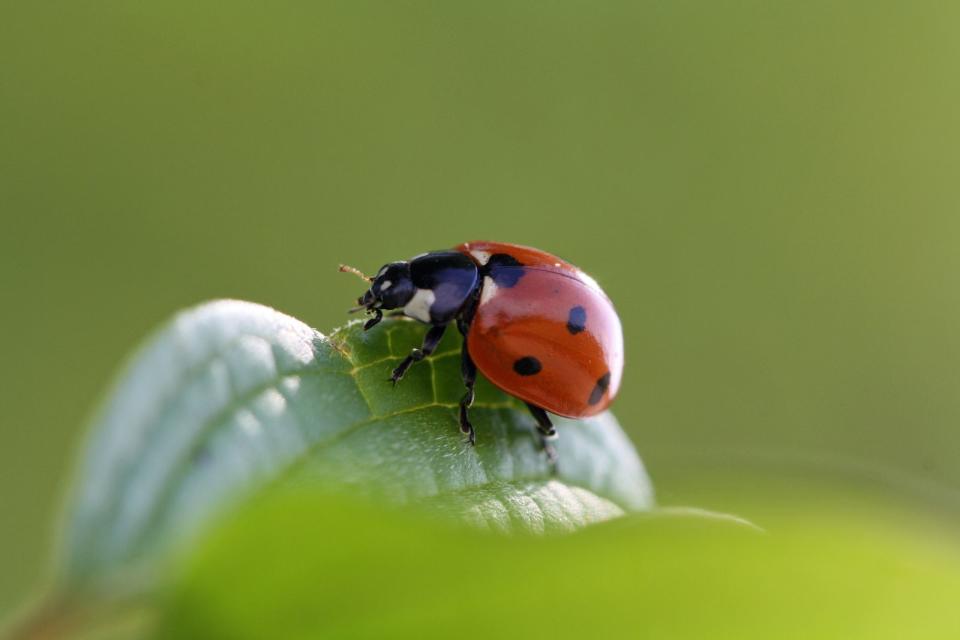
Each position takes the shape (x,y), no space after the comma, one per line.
(577,320)
(503,260)
(527,366)
(601,388)
(505,270)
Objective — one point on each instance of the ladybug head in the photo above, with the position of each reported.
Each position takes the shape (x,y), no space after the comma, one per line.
(391,288)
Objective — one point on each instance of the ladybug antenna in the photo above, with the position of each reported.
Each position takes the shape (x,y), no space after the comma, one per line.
(348,269)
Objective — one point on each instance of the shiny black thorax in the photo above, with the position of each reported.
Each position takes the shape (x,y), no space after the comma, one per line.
(451,276)
(438,287)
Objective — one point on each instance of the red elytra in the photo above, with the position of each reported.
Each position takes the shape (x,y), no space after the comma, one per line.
(557,318)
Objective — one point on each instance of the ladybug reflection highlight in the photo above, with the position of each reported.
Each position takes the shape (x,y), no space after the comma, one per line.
(536,326)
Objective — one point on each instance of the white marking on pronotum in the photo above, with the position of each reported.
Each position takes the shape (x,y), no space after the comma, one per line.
(483,257)
(386,284)
(489,290)
(419,305)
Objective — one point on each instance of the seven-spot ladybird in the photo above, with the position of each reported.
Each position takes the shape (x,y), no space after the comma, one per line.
(536,326)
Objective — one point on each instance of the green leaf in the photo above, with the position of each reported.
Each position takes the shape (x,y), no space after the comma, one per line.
(311,566)
(233,398)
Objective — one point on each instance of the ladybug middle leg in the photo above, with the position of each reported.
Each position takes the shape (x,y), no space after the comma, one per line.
(469,372)
(547,433)
(430,342)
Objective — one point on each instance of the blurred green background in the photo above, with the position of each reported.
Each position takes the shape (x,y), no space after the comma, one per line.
(767,190)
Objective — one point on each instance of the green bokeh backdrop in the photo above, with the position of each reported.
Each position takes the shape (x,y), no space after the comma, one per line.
(768,191)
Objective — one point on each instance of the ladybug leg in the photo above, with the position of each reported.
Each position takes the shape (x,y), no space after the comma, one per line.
(469,372)
(377,317)
(430,342)
(547,433)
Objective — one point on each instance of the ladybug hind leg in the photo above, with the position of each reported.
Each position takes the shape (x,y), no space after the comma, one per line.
(547,433)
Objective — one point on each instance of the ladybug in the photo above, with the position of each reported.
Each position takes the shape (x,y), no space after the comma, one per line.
(536,326)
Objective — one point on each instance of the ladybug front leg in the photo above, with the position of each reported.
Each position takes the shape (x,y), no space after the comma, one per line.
(372,322)
(430,342)
(547,433)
